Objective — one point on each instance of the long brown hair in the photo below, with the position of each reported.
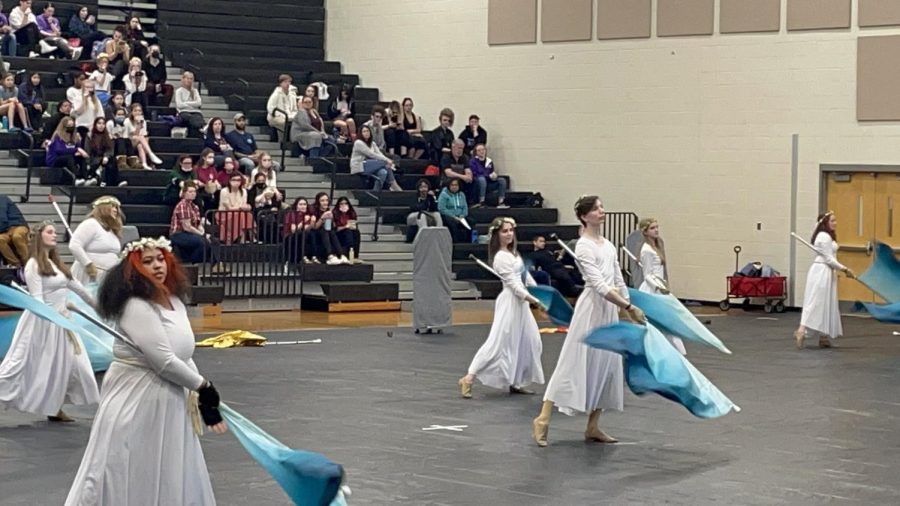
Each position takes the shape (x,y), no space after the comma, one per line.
(822,226)
(103,214)
(494,242)
(654,243)
(46,256)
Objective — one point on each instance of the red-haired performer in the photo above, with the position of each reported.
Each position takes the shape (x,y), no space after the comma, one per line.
(47,366)
(821,313)
(588,380)
(511,355)
(144,446)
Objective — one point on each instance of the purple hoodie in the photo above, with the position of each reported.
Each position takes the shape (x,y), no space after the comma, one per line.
(481,168)
(47,25)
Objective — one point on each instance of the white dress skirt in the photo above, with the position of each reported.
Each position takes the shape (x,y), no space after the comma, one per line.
(46,366)
(821,313)
(585,378)
(143,448)
(511,355)
(652,265)
(91,243)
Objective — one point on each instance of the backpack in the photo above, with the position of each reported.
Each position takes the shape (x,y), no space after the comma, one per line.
(99,47)
(432,170)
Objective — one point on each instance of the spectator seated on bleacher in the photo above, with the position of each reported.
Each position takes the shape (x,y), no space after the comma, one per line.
(52,40)
(31,96)
(136,84)
(550,270)
(423,212)
(8,44)
(63,110)
(229,169)
(64,151)
(284,98)
(376,125)
(486,178)
(473,135)
(86,106)
(416,144)
(25,29)
(214,139)
(207,177)
(312,92)
(393,131)
(122,149)
(102,165)
(119,53)
(298,224)
(455,166)
(366,159)
(103,77)
(136,39)
(10,106)
(83,25)
(235,216)
(263,195)
(308,131)
(455,211)
(341,111)
(345,225)
(189,238)
(266,167)
(136,131)
(188,104)
(159,92)
(329,247)
(116,101)
(181,173)
(244,146)
(442,137)
(13,233)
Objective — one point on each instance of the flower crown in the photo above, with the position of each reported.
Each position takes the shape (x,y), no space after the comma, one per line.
(826,216)
(146,243)
(106,200)
(499,222)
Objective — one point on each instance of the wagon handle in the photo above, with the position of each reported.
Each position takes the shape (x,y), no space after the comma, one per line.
(737,256)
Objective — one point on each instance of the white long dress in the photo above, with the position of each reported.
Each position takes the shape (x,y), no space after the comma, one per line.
(91,243)
(820,303)
(651,265)
(511,355)
(143,449)
(587,378)
(44,369)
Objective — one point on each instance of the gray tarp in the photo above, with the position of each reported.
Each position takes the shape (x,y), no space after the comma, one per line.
(433,256)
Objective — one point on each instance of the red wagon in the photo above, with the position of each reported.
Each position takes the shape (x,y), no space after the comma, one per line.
(772,289)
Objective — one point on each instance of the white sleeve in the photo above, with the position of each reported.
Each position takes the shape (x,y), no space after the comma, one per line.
(823,246)
(505,265)
(34,280)
(83,234)
(141,323)
(272,103)
(590,269)
(79,290)
(648,260)
(620,281)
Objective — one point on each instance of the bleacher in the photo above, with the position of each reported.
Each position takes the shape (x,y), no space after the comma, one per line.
(236,54)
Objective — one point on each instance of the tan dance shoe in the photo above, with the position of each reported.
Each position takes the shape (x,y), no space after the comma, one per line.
(798,337)
(824,342)
(465,389)
(520,391)
(61,417)
(540,427)
(593,432)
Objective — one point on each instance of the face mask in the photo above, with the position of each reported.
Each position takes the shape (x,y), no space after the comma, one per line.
(70,129)
(120,120)
(260,185)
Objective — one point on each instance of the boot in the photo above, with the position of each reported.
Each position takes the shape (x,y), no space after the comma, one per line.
(122,162)
(134,163)
(593,432)
(540,427)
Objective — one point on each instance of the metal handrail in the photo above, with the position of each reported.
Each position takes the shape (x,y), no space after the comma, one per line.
(69,191)
(24,198)
(333,176)
(377,198)
(246,97)
(287,128)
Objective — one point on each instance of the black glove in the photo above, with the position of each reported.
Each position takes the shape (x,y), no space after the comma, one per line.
(209,404)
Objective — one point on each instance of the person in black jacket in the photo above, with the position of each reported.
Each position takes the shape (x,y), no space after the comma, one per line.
(548,262)
(455,165)
(473,135)
(342,111)
(13,233)
(423,212)
(159,93)
(64,109)
(442,137)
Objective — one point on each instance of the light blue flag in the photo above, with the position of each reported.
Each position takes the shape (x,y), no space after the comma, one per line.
(558,308)
(670,315)
(308,478)
(885,313)
(652,364)
(883,276)
(7,329)
(100,349)
(16,298)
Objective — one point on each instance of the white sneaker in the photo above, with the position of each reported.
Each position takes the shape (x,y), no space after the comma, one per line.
(123,183)
(32,54)
(147,167)
(155,159)
(46,47)
(333,260)
(76,53)
(345,260)
(79,182)
(287,268)
(91,182)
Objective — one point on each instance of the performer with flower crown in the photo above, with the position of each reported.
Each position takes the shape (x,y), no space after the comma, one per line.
(589,380)
(511,355)
(144,446)
(47,366)
(96,242)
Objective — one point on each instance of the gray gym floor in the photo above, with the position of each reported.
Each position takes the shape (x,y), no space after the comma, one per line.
(817,426)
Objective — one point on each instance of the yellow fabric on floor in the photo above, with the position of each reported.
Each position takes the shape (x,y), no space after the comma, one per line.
(232,339)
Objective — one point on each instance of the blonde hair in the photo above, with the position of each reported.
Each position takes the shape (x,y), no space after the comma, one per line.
(654,243)
(102,212)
